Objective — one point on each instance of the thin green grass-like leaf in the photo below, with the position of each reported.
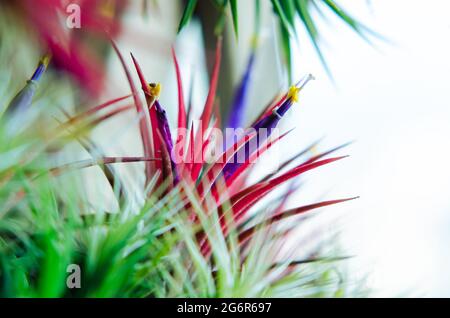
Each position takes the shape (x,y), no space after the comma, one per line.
(287,52)
(278,9)
(187,14)
(350,21)
(288,8)
(303,11)
(287,12)
(235,17)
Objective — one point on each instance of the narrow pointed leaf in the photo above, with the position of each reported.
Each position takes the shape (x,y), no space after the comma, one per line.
(187,14)
(144,126)
(234,13)
(245,235)
(246,202)
(181,106)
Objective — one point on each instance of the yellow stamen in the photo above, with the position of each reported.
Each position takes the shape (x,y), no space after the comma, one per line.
(293,90)
(293,93)
(155,89)
(45,60)
(254,42)
(108,9)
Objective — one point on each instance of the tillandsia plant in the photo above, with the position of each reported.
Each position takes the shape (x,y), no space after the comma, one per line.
(198,231)
(197,227)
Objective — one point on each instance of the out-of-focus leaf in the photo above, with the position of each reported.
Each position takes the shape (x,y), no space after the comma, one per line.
(144,128)
(343,15)
(234,13)
(289,11)
(303,11)
(181,106)
(286,47)
(187,14)
(281,15)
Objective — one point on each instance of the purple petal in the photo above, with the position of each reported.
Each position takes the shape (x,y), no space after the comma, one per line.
(163,125)
(240,100)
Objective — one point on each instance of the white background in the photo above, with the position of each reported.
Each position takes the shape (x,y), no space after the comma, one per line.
(394,101)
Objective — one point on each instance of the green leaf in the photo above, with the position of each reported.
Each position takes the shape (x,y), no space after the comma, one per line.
(220,24)
(305,16)
(280,13)
(187,14)
(257,17)
(302,10)
(343,15)
(234,13)
(357,26)
(288,8)
(286,46)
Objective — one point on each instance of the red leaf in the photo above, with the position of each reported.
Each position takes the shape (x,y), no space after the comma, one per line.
(247,234)
(208,108)
(245,199)
(102,161)
(110,114)
(288,162)
(326,153)
(92,111)
(95,109)
(144,83)
(293,187)
(155,142)
(143,123)
(214,170)
(241,206)
(253,157)
(181,106)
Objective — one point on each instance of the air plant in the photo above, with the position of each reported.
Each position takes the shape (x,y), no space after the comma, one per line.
(198,230)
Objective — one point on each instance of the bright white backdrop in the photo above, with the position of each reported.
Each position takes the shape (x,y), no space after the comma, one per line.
(394,101)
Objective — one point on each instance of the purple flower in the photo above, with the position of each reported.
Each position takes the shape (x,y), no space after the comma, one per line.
(23,99)
(163,126)
(264,128)
(240,100)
